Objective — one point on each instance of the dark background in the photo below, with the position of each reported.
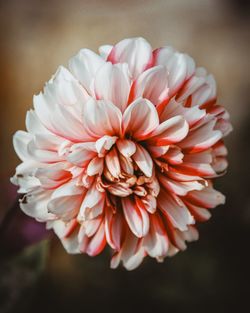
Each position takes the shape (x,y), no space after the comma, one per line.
(213,274)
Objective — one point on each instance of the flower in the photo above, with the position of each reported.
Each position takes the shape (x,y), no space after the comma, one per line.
(121,151)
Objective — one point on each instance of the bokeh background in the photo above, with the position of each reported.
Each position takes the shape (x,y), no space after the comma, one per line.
(213,274)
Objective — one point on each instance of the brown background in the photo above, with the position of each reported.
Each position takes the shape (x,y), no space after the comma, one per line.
(38,36)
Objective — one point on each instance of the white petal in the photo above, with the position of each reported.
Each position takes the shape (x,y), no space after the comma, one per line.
(92,205)
(144,161)
(180,67)
(136,217)
(95,166)
(126,147)
(178,213)
(21,139)
(140,119)
(101,118)
(84,66)
(201,138)
(104,144)
(112,83)
(152,85)
(136,52)
(105,51)
(171,131)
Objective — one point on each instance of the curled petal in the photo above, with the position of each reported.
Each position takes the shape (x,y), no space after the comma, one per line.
(140,119)
(171,131)
(95,166)
(178,213)
(136,217)
(126,147)
(92,204)
(84,66)
(112,83)
(152,85)
(144,161)
(201,138)
(136,52)
(156,242)
(101,118)
(180,67)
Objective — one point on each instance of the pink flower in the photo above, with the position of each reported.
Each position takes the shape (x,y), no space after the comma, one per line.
(121,151)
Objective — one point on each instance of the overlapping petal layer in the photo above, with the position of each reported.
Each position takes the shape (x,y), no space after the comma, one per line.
(122,151)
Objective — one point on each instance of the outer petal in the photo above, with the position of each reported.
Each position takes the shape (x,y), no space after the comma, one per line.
(34,125)
(170,131)
(55,114)
(152,85)
(180,67)
(84,66)
(70,243)
(156,242)
(208,198)
(92,205)
(112,83)
(136,217)
(105,51)
(177,213)
(178,187)
(35,203)
(201,138)
(97,242)
(192,115)
(20,142)
(131,254)
(136,52)
(114,228)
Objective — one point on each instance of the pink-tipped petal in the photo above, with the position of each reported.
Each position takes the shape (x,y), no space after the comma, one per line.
(140,119)
(136,52)
(101,118)
(112,83)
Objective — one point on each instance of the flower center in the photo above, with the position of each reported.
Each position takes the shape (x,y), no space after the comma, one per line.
(122,177)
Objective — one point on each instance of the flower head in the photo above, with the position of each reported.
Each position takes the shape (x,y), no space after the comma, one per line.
(121,151)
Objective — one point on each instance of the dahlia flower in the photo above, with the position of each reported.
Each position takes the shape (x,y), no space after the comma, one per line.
(121,151)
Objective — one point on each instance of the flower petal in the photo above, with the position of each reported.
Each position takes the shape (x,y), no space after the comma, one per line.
(112,83)
(95,166)
(140,119)
(136,217)
(112,163)
(177,213)
(97,242)
(171,131)
(126,147)
(201,138)
(101,118)
(136,52)
(84,66)
(105,51)
(156,242)
(92,205)
(152,85)
(81,154)
(144,161)
(21,140)
(180,67)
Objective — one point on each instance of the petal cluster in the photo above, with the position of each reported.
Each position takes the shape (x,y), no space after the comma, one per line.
(121,150)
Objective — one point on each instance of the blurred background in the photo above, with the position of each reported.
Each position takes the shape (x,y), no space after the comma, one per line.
(213,274)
